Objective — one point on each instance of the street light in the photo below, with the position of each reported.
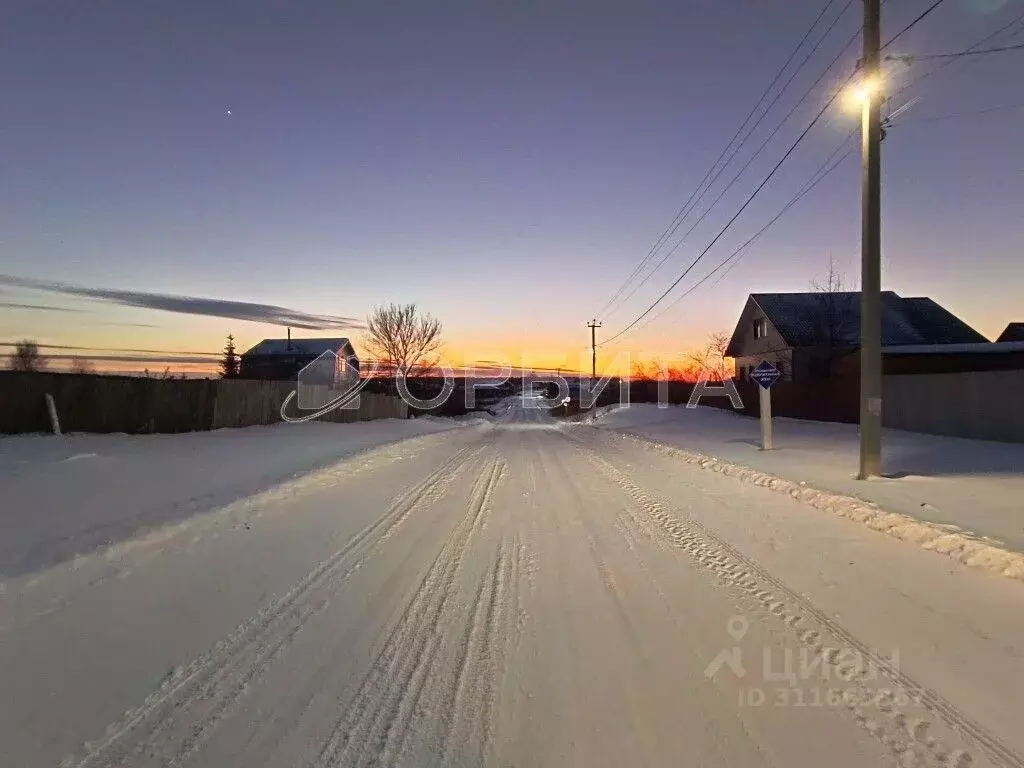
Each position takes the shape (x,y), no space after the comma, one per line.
(869,91)
(862,92)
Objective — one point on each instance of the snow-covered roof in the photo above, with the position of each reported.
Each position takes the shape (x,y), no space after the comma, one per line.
(799,318)
(340,346)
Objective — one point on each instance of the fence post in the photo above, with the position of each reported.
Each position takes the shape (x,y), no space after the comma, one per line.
(51,406)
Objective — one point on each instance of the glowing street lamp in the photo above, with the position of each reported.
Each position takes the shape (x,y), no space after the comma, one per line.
(863,92)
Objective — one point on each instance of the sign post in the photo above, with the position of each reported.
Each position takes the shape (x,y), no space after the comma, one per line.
(766,418)
(766,375)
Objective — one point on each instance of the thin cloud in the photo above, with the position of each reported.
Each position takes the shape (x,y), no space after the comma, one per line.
(194,360)
(51,308)
(192,305)
(111,349)
(44,307)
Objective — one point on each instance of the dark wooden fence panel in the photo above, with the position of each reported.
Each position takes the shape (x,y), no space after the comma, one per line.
(985,405)
(827,400)
(834,399)
(135,405)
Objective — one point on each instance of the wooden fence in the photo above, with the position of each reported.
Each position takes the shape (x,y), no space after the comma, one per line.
(985,405)
(134,405)
(825,400)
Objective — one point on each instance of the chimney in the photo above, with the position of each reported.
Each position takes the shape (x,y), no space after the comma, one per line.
(289,339)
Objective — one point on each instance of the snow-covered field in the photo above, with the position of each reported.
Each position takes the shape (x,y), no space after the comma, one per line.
(68,496)
(509,593)
(970,485)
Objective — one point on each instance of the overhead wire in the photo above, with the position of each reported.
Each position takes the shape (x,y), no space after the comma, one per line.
(747,164)
(687,206)
(739,212)
(829,165)
(950,62)
(819,175)
(810,186)
(952,115)
(957,54)
(792,77)
(913,24)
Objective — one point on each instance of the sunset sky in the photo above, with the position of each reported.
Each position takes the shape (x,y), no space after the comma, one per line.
(505,166)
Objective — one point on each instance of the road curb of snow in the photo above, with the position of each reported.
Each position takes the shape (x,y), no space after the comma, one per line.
(929,536)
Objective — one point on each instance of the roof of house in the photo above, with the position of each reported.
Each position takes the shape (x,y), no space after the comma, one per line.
(314,347)
(905,321)
(1012,332)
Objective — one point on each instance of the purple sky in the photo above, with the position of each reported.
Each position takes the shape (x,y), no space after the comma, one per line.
(503,165)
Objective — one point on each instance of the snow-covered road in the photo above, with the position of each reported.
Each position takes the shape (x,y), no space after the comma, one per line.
(514,594)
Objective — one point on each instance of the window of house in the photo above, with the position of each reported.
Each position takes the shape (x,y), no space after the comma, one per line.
(760,328)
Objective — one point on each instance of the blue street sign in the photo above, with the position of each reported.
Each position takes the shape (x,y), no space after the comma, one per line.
(765,374)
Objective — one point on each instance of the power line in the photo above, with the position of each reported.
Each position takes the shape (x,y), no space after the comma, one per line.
(958,54)
(775,101)
(748,163)
(797,198)
(950,116)
(912,24)
(838,162)
(686,207)
(949,62)
(824,170)
(742,208)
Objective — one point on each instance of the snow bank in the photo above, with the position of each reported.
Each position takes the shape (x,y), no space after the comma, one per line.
(66,496)
(975,485)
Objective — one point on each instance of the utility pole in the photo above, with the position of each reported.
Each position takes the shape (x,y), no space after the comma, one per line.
(593,325)
(871,249)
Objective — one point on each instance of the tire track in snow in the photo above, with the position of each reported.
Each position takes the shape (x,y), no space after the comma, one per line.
(216,681)
(376,726)
(401,735)
(907,737)
(469,719)
(320,681)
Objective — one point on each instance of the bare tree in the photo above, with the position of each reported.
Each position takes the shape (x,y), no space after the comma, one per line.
(27,358)
(402,339)
(642,371)
(711,358)
(82,366)
(832,320)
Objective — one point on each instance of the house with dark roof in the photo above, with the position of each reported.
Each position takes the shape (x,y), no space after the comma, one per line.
(282,359)
(1012,332)
(816,335)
